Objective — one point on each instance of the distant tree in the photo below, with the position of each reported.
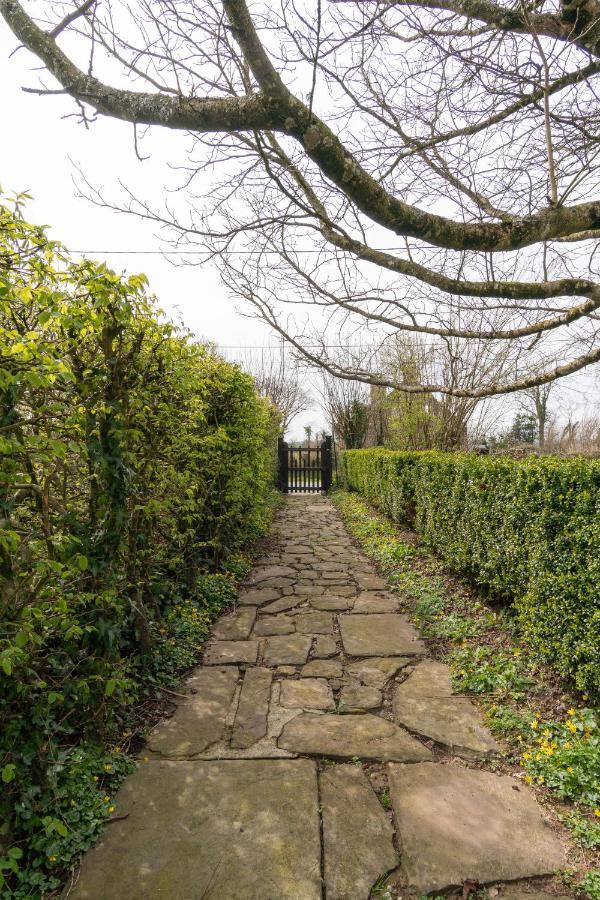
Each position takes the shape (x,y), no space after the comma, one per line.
(535,400)
(524,429)
(347,407)
(276,378)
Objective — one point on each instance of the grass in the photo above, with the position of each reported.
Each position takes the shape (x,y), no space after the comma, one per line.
(552,737)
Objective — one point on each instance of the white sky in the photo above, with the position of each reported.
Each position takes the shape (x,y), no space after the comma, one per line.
(38,153)
(41,144)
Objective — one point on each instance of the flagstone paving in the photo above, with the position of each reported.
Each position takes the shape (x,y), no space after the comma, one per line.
(316,750)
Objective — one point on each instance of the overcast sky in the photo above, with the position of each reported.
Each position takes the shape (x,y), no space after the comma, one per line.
(40,153)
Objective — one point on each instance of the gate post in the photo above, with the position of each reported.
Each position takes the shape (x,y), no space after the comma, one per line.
(282,465)
(326,463)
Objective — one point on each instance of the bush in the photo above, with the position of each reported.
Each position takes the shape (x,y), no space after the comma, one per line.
(134,463)
(527,532)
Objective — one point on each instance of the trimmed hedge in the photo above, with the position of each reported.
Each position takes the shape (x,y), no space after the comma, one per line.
(525,531)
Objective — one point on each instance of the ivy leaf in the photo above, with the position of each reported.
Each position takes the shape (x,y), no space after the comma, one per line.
(8,773)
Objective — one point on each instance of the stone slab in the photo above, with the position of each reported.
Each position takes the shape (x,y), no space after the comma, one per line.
(331,602)
(322,668)
(357,834)
(226,830)
(314,622)
(429,679)
(453,722)
(325,646)
(369,582)
(343,737)
(286,650)
(424,703)
(283,604)
(373,602)
(222,653)
(268,625)
(359,698)
(379,634)
(306,693)
(236,626)
(250,723)
(258,597)
(458,825)
(377,672)
(199,720)
(266,573)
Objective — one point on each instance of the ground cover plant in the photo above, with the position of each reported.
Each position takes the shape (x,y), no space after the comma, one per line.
(524,532)
(551,735)
(135,464)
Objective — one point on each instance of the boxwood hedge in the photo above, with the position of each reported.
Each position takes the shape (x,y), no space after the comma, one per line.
(524,531)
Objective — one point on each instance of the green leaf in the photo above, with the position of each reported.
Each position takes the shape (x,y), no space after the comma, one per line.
(8,773)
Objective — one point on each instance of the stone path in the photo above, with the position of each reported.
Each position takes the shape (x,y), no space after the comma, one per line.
(254,788)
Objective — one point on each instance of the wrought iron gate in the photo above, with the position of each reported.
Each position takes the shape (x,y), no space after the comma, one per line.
(305,469)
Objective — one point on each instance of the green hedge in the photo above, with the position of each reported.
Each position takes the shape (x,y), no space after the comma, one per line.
(525,531)
(134,464)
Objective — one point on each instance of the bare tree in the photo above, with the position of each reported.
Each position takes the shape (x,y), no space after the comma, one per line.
(422,167)
(437,420)
(346,404)
(580,436)
(277,378)
(535,400)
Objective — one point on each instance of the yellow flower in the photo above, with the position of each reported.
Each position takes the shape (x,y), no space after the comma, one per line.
(540,779)
(546,732)
(535,723)
(567,745)
(571,712)
(529,779)
(106,800)
(52,858)
(572,728)
(516,652)
(597,813)
(527,755)
(111,809)
(108,767)
(570,770)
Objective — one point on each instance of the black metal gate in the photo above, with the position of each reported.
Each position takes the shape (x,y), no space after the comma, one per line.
(304,469)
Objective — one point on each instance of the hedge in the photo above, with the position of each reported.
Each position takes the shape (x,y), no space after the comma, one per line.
(134,465)
(527,532)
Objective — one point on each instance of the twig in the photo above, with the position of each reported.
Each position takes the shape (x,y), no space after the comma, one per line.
(174,693)
(80,11)
(117,818)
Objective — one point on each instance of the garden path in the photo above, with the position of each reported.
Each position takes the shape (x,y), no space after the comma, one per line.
(317,749)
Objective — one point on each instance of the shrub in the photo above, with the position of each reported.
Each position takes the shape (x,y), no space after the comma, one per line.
(527,532)
(134,464)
